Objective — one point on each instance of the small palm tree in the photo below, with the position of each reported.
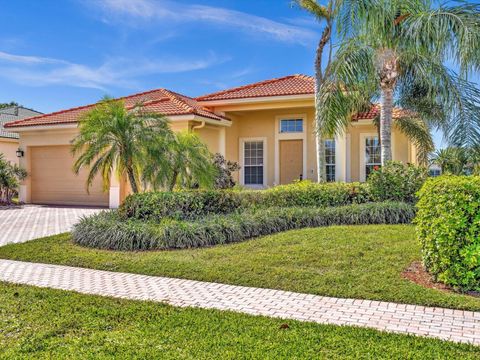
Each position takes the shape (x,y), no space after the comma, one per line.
(189,164)
(10,177)
(113,138)
(395,51)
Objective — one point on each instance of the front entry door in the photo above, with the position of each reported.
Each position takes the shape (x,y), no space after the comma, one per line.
(291,161)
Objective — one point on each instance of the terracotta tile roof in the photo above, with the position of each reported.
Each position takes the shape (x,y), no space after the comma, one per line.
(160,100)
(375,111)
(288,85)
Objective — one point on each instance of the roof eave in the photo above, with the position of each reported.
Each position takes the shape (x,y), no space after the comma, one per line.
(258,99)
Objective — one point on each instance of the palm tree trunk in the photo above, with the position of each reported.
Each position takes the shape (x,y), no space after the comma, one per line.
(174,180)
(320,144)
(132,180)
(386,125)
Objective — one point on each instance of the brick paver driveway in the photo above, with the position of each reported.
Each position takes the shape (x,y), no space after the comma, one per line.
(20,224)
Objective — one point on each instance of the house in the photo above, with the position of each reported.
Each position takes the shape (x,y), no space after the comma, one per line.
(9,140)
(267,127)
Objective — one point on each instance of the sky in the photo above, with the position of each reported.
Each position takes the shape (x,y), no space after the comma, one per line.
(58,54)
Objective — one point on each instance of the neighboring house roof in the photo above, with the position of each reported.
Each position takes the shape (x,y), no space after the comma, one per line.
(288,85)
(162,101)
(13,113)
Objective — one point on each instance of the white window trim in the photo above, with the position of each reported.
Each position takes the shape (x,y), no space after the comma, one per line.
(290,136)
(363,137)
(243,140)
(335,164)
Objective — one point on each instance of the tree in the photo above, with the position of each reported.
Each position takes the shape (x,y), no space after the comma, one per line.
(114,138)
(451,160)
(395,51)
(324,14)
(10,177)
(7,105)
(189,164)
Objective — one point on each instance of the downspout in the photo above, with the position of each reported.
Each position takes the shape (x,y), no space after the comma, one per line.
(201,126)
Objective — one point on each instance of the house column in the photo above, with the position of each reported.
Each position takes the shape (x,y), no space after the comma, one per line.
(222,143)
(342,157)
(114,191)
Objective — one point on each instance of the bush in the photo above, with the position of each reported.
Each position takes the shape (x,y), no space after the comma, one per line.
(448,227)
(396,181)
(307,193)
(108,230)
(180,205)
(184,205)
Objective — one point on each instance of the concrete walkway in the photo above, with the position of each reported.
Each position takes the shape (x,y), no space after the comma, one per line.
(23,223)
(446,324)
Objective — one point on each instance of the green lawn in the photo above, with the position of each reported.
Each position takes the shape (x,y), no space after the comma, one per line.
(42,323)
(344,261)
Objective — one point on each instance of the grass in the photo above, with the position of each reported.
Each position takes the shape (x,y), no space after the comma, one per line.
(362,262)
(43,323)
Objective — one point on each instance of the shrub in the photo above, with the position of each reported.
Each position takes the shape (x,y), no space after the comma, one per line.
(108,230)
(225,168)
(193,204)
(396,181)
(307,193)
(180,205)
(448,227)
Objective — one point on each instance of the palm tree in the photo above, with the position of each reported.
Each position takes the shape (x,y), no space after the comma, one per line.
(395,51)
(451,160)
(189,164)
(324,14)
(114,138)
(10,177)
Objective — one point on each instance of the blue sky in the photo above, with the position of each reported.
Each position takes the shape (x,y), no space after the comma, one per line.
(60,54)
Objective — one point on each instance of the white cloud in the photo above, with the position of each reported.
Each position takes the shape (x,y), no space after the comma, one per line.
(168,11)
(119,72)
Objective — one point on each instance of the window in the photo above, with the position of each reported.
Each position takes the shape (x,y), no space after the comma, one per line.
(253,163)
(372,155)
(330,160)
(291,126)
(433,172)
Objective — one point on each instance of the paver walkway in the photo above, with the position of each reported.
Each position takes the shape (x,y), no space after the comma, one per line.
(20,224)
(446,324)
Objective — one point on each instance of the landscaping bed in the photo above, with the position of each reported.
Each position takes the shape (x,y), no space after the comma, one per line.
(53,324)
(109,230)
(364,262)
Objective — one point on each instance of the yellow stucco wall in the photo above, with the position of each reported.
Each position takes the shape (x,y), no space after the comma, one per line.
(8,148)
(250,122)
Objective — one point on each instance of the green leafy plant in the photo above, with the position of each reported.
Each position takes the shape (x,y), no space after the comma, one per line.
(396,181)
(10,177)
(108,230)
(448,227)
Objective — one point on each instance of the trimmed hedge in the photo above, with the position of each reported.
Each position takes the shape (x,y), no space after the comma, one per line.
(448,227)
(108,230)
(183,205)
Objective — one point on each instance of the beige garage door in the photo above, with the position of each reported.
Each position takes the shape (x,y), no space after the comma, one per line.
(53,181)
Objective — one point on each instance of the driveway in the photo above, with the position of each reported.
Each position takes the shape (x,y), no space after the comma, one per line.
(20,224)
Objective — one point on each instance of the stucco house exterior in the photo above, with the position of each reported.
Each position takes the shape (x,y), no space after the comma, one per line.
(9,140)
(267,127)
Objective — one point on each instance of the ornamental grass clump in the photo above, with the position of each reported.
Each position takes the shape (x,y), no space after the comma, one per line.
(108,230)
